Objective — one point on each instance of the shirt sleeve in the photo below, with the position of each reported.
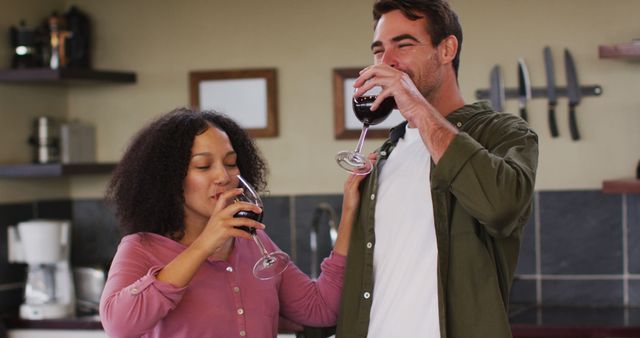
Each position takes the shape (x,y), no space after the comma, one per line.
(133,300)
(313,302)
(492,174)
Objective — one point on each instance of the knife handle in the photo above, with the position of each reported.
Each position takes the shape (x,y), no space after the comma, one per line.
(553,125)
(523,113)
(573,125)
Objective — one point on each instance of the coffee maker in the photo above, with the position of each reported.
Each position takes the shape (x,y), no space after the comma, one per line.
(45,246)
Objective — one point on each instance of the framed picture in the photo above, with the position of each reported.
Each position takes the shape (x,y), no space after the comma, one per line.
(249,97)
(346,125)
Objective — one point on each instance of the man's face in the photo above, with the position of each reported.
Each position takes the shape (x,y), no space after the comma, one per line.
(405,45)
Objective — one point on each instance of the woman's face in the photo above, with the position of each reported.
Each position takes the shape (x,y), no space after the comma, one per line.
(212,171)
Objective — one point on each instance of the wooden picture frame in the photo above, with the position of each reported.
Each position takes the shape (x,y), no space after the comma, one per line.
(247,96)
(346,126)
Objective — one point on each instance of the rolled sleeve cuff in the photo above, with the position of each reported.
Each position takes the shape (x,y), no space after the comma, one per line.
(460,150)
(171,292)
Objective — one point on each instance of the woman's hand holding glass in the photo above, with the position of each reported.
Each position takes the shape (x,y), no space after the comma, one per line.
(223,225)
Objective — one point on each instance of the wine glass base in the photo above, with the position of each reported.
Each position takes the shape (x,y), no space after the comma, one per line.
(271,265)
(353,162)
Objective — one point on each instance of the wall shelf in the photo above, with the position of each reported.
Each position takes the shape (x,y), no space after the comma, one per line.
(65,75)
(54,169)
(628,50)
(621,186)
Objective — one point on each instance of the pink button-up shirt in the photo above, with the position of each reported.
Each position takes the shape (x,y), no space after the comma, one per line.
(223,299)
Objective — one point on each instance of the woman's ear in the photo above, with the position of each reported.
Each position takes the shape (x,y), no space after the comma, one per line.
(448,48)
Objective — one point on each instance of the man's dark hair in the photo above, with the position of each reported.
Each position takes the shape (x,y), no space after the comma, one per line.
(146,188)
(442,21)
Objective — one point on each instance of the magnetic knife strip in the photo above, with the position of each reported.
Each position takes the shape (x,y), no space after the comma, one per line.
(537,92)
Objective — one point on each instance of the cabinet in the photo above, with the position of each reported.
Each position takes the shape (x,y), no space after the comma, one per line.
(56,334)
(54,169)
(63,76)
(621,186)
(627,50)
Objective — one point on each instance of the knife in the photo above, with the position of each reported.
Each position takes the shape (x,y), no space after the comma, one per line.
(573,92)
(552,95)
(524,88)
(496,89)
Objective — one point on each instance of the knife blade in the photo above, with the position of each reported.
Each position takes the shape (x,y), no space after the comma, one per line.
(524,88)
(573,92)
(552,95)
(496,89)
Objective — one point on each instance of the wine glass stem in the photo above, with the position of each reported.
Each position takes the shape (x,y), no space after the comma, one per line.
(263,250)
(365,127)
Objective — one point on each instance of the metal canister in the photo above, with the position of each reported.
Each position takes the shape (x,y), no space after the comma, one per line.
(45,140)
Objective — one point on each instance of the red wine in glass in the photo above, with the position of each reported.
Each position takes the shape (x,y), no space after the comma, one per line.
(248,214)
(270,264)
(362,109)
(354,161)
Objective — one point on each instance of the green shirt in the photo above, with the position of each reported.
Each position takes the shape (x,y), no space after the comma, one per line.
(482,191)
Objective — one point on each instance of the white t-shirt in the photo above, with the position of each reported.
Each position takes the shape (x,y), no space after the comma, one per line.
(405,259)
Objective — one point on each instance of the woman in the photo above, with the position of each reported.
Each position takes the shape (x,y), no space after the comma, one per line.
(183,269)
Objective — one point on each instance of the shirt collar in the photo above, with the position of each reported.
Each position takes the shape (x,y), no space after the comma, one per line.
(457,117)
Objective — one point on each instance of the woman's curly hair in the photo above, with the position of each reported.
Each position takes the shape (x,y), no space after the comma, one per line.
(146,188)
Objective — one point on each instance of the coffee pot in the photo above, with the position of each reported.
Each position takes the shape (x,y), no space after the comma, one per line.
(45,246)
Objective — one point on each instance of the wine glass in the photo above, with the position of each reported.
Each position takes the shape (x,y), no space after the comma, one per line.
(354,161)
(270,264)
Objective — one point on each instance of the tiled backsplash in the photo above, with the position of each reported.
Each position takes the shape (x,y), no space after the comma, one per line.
(579,247)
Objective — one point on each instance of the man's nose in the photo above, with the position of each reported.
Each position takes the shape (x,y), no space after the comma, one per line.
(389,58)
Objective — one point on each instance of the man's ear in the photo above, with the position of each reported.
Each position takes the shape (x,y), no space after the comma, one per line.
(448,48)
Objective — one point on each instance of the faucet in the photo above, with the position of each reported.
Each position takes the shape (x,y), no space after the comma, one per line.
(322,208)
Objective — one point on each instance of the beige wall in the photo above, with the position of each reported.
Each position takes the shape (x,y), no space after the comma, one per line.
(163,41)
(19,104)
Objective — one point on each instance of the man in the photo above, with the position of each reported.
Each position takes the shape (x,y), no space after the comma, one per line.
(435,246)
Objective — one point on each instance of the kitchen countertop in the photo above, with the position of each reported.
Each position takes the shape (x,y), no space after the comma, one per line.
(574,322)
(575,316)
(524,320)
(77,323)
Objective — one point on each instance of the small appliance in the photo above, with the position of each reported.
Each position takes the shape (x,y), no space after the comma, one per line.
(24,46)
(45,246)
(77,142)
(89,283)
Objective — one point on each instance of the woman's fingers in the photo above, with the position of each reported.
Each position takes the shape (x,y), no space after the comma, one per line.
(225,199)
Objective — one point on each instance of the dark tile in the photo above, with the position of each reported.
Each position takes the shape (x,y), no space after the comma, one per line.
(523,292)
(634,292)
(12,272)
(591,293)
(581,232)
(633,235)
(634,316)
(308,209)
(53,209)
(10,299)
(523,315)
(278,221)
(94,232)
(12,214)
(527,257)
(583,316)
